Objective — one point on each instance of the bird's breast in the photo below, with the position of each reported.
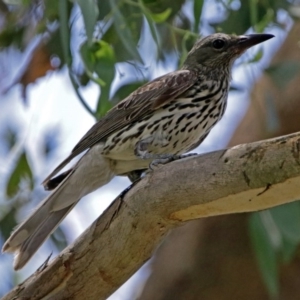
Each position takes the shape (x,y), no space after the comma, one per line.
(176,126)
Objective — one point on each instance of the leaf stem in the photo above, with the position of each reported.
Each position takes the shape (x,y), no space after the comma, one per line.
(76,88)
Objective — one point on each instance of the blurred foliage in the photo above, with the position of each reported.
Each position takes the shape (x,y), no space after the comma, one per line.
(8,137)
(264,247)
(112,33)
(275,235)
(256,13)
(283,73)
(22,171)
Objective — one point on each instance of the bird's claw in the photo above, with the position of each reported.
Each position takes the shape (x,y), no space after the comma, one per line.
(156,163)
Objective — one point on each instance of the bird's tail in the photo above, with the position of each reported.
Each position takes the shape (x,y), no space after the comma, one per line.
(29,236)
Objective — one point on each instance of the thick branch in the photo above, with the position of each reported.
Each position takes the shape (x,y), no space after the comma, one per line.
(245,178)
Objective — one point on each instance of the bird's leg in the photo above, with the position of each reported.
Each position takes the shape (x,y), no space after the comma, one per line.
(141,151)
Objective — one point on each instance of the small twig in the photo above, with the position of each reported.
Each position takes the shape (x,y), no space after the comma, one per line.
(44,265)
(120,199)
(76,88)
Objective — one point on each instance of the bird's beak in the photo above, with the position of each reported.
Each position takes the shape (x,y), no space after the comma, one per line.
(249,40)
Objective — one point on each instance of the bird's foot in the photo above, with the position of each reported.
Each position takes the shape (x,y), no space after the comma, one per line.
(167,158)
(141,151)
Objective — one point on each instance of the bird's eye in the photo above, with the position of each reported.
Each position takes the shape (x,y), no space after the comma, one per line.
(218,44)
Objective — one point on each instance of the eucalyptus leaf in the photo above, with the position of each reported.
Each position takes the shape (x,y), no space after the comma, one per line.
(9,138)
(99,58)
(89,10)
(151,23)
(288,250)
(198,5)
(12,36)
(103,8)
(161,17)
(251,13)
(64,31)
(287,219)
(7,222)
(124,31)
(265,254)
(268,18)
(153,30)
(257,56)
(51,9)
(22,171)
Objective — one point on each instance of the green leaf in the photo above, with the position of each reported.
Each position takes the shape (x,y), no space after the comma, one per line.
(151,24)
(186,42)
(87,57)
(21,171)
(287,219)
(198,5)
(134,20)
(288,250)
(153,31)
(265,253)
(283,72)
(90,12)
(103,9)
(103,50)
(9,138)
(100,58)
(104,105)
(51,10)
(12,35)
(55,47)
(64,31)
(7,222)
(161,17)
(266,20)
(124,31)
(253,11)
(257,56)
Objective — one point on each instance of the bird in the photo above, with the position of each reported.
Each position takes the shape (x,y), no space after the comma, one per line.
(161,120)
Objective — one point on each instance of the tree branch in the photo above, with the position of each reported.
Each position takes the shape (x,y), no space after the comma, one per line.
(245,178)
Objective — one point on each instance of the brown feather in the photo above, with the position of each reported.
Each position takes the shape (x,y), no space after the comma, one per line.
(141,102)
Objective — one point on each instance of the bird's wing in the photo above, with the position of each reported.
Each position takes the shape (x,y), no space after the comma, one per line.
(141,102)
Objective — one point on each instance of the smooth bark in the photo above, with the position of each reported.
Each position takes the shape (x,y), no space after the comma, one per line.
(245,178)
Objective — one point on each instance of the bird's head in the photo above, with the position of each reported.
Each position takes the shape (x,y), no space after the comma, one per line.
(220,50)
